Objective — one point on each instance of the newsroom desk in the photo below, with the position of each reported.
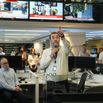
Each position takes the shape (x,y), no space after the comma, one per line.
(39,78)
(34,79)
(92,79)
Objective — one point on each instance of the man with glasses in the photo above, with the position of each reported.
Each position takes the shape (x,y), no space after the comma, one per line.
(9,85)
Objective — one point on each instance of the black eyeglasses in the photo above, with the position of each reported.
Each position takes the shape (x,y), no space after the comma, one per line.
(5,63)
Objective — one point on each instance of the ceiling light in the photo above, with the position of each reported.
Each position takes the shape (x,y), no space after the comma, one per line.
(27,30)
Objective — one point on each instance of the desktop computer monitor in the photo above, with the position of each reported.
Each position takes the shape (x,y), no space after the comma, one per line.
(88,63)
(15,62)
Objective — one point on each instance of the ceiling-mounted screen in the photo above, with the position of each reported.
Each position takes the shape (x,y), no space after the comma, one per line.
(82,1)
(45,10)
(78,12)
(15,10)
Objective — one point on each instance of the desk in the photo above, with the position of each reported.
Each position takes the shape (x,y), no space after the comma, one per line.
(94,80)
(32,79)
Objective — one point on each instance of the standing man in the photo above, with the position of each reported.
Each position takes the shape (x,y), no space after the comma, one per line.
(54,61)
(9,86)
(1,51)
(84,51)
(101,57)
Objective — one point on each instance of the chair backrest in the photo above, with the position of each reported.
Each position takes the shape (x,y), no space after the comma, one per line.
(96,89)
(80,87)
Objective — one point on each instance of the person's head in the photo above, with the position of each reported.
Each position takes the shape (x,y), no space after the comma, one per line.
(100,50)
(1,49)
(4,63)
(32,51)
(21,49)
(55,38)
(84,47)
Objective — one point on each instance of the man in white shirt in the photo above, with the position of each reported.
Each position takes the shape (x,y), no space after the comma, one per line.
(101,57)
(9,86)
(54,60)
(1,51)
(84,51)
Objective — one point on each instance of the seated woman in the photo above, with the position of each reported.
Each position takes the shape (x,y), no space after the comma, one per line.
(33,60)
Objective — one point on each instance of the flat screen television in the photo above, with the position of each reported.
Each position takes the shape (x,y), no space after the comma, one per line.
(14,10)
(81,62)
(97,12)
(78,12)
(83,1)
(46,10)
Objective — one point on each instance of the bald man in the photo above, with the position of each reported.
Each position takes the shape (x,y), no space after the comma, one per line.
(9,84)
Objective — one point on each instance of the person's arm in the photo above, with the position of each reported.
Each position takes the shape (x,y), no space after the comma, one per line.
(24,56)
(16,79)
(3,84)
(45,60)
(66,45)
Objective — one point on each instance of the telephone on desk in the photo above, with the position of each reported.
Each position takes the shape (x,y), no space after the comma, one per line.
(21,79)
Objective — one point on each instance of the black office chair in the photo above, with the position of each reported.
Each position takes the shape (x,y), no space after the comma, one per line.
(79,88)
(81,85)
(96,89)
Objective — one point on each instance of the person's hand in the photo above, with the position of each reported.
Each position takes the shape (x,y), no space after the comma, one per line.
(17,89)
(54,52)
(61,34)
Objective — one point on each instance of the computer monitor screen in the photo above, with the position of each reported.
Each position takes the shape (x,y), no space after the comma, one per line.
(78,12)
(15,62)
(14,10)
(81,62)
(46,10)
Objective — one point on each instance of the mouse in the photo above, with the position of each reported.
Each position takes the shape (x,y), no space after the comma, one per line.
(26,82)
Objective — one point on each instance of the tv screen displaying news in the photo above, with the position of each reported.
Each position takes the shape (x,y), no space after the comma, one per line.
(87,1)
(17,10)
(46,10)
(78,12)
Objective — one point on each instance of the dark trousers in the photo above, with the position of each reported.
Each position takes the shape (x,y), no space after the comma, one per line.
(8,96)
(56,87)
(60,86)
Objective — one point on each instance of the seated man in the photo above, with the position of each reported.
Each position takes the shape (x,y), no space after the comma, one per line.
(9,86)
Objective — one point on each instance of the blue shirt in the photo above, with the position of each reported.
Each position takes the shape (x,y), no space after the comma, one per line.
(8,79)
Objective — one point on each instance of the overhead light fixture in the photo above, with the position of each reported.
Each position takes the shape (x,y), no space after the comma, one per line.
(26,30)
(15,37)
(21,34)
(11,0)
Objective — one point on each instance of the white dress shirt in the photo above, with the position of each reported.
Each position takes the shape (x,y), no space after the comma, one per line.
(56,71)
(8,79)
(101,56)
(2,53)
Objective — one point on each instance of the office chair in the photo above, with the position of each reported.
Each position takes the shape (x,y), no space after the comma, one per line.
(79,88)
(81,85)
(96,89)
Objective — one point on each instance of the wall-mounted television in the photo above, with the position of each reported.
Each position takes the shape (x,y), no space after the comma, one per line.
(46,10)
(82,1)
(97,12)
(78,12)
(14,10)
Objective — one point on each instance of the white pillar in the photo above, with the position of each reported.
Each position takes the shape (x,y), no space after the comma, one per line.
(76,39)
